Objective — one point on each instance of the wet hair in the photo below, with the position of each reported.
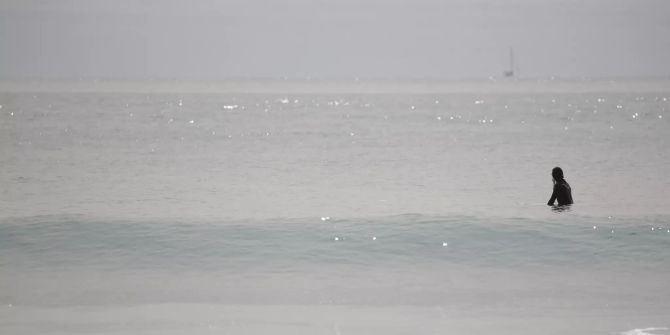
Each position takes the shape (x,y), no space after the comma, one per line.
(557,173)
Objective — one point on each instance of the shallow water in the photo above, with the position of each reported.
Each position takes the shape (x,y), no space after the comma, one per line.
(250,213)
(404,273)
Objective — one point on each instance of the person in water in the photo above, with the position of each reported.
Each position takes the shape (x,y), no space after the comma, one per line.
(562,191)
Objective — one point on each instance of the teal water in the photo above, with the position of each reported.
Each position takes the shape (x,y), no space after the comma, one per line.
(596,274)
(276,245)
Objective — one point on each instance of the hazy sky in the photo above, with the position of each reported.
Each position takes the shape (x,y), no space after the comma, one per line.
(332,38)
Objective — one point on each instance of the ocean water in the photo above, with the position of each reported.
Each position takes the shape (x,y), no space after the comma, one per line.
(321,208)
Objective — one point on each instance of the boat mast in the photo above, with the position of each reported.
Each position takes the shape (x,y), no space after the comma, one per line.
(510,72)
(511,60)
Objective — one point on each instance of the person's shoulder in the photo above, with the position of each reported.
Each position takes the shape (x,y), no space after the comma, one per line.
(562,184)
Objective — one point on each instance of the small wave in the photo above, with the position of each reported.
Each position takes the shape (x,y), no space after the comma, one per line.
(644,331)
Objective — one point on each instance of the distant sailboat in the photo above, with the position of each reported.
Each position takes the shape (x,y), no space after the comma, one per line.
(510,73)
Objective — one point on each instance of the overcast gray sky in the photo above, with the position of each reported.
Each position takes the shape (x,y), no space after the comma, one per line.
(448,39)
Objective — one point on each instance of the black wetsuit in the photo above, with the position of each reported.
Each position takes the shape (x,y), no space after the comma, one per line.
(562,193)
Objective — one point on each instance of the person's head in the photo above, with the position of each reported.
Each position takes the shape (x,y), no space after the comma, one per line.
(557,173)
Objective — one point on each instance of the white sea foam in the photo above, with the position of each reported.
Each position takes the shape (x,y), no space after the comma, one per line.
(645,331)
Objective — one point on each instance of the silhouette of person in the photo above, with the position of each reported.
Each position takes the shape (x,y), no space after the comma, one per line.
(562,191)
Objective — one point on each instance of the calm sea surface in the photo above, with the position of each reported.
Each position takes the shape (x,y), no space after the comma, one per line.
(331,211)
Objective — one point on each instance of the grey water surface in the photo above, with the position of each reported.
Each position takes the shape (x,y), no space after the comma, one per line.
(327,213)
